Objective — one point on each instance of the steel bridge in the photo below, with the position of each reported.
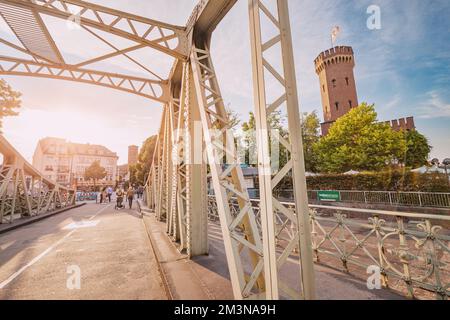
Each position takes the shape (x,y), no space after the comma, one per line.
(176,186)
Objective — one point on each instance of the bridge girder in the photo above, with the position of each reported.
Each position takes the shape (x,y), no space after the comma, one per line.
(151,89)
(24,191)
(192,94)
(152,33)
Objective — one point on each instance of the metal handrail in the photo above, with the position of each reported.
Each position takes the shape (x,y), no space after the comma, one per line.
(411,250)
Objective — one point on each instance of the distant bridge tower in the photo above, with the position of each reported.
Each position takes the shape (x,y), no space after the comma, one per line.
(337,83)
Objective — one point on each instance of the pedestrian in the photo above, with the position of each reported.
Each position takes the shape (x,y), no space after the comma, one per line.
(101,196)
(140,192)
(110,192)
(119,195)
(104,194)
(130,196)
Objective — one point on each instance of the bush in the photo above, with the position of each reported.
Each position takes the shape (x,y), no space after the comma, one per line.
(379,181)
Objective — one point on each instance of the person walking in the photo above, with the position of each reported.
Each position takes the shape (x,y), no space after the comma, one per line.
(140,192)
(105,194)
(109,193)
(101,196)
(119,195)
(130,196)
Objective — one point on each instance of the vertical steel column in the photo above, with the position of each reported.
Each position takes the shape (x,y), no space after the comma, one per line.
(263,109)
(240,232)
(196,210)
(162,172)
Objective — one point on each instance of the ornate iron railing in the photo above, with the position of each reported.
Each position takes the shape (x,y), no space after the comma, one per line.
(411,250)
(392,198)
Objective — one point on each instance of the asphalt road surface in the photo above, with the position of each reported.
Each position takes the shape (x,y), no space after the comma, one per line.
(92,252)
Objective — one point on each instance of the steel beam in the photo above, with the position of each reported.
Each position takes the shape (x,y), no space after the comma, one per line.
(151,89)
(152,33)
(270,206)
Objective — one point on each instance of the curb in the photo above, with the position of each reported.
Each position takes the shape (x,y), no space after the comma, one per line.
(164,280)
(39,218)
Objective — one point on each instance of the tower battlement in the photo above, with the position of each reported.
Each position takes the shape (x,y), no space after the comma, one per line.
(341,54)
(402,124)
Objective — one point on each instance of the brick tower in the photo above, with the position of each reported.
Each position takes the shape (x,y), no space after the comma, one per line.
(133,152)
(337,83)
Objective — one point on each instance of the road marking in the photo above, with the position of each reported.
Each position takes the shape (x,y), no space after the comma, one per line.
(81,224)
(43,254)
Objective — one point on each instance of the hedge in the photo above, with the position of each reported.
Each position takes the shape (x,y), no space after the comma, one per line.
(378,181)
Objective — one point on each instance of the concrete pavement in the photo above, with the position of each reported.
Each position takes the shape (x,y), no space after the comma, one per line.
(109,248)
(117,255)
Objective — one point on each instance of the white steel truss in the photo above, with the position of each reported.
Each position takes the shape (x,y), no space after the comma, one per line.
(270,206)
(151,89)
(24,192)
(176,187)
(155,34)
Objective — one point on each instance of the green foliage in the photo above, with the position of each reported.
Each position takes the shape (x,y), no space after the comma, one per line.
(418,149)
(95,172)
(381,181)
(139,171)
(357,141)
(9,100)
(311,135)
(233,118)
(275,123)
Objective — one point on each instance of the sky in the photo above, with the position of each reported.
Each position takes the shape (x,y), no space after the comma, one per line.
(403,68)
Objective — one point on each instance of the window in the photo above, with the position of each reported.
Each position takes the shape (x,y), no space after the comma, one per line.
(334,83)
(323,87)
(350,103)
(337,106)
(346,80)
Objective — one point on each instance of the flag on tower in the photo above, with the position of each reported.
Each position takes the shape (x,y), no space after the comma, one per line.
(334,34)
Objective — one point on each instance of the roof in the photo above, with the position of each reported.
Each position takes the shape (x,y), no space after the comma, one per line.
(66,147)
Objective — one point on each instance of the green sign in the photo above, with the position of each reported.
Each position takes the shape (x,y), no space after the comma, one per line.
(331,196)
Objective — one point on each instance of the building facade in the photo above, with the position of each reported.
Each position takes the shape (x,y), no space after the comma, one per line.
(335,68)
(66,162)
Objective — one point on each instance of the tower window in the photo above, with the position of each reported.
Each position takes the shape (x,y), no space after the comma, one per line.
(323,87)
(334,83)
(337,106)
(346,80)
(350,103)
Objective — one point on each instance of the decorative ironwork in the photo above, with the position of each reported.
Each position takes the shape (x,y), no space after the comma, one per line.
(411,250)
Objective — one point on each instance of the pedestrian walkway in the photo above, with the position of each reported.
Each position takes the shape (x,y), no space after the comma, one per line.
(109,248)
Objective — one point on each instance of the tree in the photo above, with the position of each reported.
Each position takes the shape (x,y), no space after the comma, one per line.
(310,124)
(140,171)
(357,141)
(9,100)
(275,122)
(95,172)
(418,149)
(233,118)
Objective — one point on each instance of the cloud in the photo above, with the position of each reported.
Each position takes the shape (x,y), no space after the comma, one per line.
(434,107)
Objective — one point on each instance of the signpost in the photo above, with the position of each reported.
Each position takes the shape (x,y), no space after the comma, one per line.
(329,196)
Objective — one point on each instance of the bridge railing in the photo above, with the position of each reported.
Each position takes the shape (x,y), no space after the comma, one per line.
(24,191)
(410,251)
(392,198)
